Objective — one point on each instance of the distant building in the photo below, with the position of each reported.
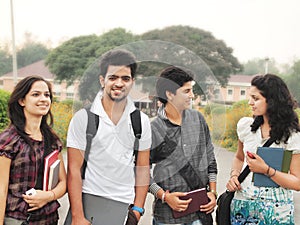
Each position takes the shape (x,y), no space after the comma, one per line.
(237,89)
(61,90)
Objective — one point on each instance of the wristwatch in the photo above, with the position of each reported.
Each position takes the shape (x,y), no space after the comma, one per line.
(138,209)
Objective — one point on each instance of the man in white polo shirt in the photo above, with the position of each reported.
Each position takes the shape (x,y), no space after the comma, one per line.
(111,184)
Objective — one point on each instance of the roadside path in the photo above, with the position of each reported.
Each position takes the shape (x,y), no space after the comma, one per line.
(224,159)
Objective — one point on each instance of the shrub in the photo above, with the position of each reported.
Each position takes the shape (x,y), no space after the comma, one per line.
(4,120)
(233,115)
(214,109)
(62,113)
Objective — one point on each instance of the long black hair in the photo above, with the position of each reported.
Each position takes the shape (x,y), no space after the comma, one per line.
(17,116)
(281,107)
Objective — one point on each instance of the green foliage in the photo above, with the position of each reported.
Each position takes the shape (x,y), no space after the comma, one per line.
(222,122)
(62,113)
(233,115)
(298,112)
(69,60)
(4,120)
(75,105)
(5,62)
(258,66)
(73,58)
(214,108)
(213,52)
(31,52)
(293,81)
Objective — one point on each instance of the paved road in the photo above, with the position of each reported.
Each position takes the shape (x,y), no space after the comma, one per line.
(224,159)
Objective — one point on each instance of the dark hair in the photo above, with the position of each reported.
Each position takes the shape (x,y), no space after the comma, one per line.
(118,57)
(280,107)
(170,79)
(16,113)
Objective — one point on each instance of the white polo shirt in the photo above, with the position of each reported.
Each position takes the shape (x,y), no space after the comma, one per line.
(110,168)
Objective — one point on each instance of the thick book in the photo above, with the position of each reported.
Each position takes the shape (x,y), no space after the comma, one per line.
(274,158)
(48,161)
(53,175)
(199,197)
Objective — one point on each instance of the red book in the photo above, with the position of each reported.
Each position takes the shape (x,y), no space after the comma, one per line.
(48,161)
(199,197)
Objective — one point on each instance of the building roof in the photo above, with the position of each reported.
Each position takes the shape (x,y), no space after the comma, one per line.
(37,68)
(240,78)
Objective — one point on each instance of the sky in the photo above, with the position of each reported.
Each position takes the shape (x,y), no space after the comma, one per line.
(252,28)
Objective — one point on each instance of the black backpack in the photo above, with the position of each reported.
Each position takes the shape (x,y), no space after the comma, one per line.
(92,127)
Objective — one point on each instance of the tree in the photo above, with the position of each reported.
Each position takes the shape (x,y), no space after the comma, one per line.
(5,62)
(293,80)
(4,120)
(258,66)
(213,52)
(78,58)
(70,60)
(31,52)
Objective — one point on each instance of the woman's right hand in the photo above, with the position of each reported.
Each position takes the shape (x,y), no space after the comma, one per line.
(233,184)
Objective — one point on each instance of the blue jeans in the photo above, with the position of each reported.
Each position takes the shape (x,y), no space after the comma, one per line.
(197,222)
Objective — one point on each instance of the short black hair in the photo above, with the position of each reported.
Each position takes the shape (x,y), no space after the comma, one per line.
(118,57)
(170,79)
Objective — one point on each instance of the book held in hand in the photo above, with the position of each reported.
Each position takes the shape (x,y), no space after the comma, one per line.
(276,158)
(199,197)
(53,175)
(48,161)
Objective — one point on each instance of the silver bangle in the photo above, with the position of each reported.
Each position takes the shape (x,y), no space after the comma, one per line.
(163,197)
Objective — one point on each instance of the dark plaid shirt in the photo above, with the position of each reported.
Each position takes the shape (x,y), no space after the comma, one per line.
(192,143)
(25,166)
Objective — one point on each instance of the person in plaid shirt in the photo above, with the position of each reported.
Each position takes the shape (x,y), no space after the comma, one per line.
(23,147)
(182,152)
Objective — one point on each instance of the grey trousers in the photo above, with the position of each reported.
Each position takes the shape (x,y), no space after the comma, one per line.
(102,211)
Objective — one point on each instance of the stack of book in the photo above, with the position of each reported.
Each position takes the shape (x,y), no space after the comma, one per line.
(51,171)
(276,158)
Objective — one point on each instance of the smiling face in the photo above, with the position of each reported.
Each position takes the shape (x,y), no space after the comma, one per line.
(257,102)
(117,83)
(182,99)
(37,101)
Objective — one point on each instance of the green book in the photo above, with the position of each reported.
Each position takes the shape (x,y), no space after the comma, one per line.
(286,161)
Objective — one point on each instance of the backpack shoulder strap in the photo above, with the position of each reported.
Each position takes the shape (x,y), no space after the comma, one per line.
(135,117)
(91,130)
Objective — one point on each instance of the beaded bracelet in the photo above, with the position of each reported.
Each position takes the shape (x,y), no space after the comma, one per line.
(273,173)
